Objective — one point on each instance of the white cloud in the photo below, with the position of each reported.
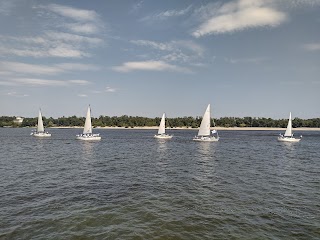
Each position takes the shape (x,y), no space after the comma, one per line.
(66,18)
(66,51)
(19,68)
(175,57)
(241,15)
(245,60)
(179,51)
(42,82)
(73,13)
(106,90)
(82,95)
(50,44)
(312,46)
(301,3)
(53,38)
(15,94)
(149,66)
(192,46)
(22,52)
(110,89)
(87,28)
(39,82)
(68,37)
(172,46)
(152,44)
(173,13)
(61,52)
(199,64)
(57,43)
(79,82)
(167,14)
(77,67)
(23,68)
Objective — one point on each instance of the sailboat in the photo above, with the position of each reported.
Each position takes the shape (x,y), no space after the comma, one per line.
(87,130)
(204,134)
(162,129)
(40,129)
(288,135)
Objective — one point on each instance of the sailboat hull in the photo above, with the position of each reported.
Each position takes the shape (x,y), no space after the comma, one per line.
(88,138)
(288,139)
(42,135)
(163,136)
(206,139)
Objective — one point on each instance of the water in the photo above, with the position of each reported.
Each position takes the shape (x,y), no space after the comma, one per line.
(131,186)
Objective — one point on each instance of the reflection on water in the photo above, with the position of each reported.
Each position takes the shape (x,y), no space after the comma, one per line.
(87,147)
(290,146)
(206,149)
(162,146)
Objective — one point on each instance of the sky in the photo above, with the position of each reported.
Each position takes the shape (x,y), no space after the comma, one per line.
(258,58)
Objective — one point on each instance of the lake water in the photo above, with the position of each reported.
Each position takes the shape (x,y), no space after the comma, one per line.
(132,186)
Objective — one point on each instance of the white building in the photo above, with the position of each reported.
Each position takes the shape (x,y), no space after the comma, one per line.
(18,120)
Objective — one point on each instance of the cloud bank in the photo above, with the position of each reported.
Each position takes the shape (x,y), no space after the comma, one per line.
(240,15)
(148,66)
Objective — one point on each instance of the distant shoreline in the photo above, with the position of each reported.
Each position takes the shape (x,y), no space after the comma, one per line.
(216,128)
(189,128)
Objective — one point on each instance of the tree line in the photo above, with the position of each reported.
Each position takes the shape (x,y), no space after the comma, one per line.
(131,121)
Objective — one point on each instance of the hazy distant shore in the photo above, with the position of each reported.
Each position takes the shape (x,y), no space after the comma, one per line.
(217,128)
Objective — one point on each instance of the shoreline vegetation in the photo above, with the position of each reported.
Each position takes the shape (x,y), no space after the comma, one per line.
(130,122)
(189,128)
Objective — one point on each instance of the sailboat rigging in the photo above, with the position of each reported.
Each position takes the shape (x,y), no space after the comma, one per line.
(40,128)
(162,129)
(288,135)
(87,134)
(204,134)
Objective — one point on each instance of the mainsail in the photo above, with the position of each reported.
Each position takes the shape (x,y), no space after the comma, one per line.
(288,132)
(162,128)
(205,123)
(40,123)
(87,126)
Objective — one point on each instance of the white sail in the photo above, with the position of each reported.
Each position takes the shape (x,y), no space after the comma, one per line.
(87,126)
(40,123)
(205,123)
(288,132)
(162,126)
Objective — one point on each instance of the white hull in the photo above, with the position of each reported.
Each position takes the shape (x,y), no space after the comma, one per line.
(288,139)
(89,138)
(41,135)
(206,139)
(163,136)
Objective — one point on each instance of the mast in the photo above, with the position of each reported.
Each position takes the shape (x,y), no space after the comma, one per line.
(88,126)
(204,129)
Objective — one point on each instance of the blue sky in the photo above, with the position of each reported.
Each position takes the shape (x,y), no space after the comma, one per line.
(246,57)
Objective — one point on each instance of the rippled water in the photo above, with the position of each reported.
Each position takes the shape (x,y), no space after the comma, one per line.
(132,186)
